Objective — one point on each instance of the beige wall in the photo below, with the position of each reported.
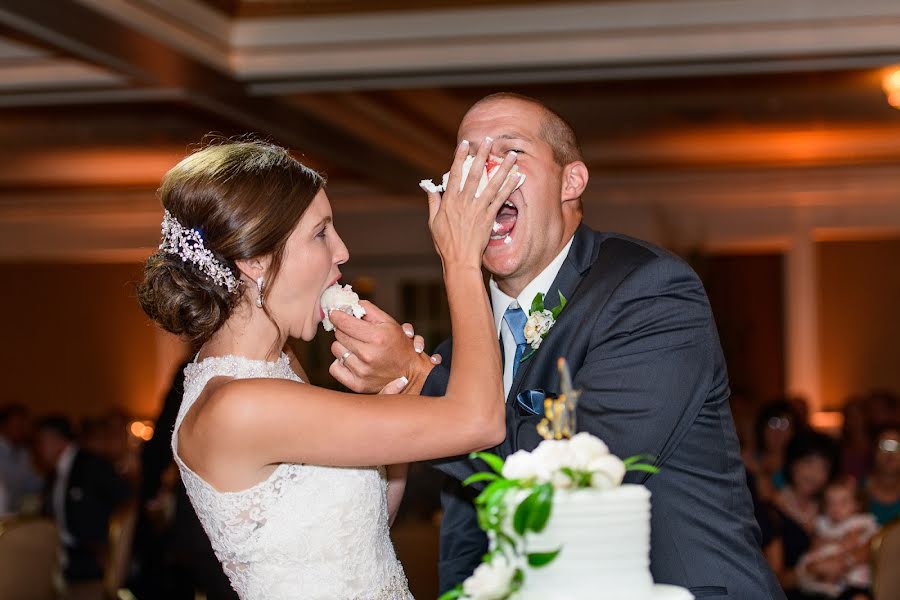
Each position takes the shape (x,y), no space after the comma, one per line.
(76,341)
(859,317)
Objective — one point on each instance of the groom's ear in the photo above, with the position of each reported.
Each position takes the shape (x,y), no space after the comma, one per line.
(253,268)
(574,180)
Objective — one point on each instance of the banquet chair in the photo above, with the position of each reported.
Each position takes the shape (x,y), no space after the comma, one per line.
(29,555)
(121,539)
(885,559)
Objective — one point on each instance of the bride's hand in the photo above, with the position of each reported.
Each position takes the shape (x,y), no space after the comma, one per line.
(395,387)
(460,221)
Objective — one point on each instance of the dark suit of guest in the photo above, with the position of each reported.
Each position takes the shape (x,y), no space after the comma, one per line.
(640,340)
(175,563)
(89,494)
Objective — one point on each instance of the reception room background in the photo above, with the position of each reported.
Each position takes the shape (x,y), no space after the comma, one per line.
(755,138)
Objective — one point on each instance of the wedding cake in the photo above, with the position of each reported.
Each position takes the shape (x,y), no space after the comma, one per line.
(604,542)
(566,528)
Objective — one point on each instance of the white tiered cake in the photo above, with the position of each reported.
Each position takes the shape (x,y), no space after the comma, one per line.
(604,537)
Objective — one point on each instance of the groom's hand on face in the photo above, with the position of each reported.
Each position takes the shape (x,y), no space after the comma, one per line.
(373,351)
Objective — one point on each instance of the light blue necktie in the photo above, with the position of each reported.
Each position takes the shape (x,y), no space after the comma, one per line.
(515,318)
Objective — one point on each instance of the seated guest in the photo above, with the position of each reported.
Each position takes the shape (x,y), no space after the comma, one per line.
(18,476)
(82,493)
(4,500)
(856,440)
(837,565)
(882,410)
(776,425)
(788,521)
(883,483)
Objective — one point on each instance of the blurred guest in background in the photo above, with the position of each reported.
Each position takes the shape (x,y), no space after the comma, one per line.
(801,411)
(175,557)
(776,425)
(837,565)
(4,500)
(882,409)
(788,520)
(856,440)
(18,476)
(83,491)
(883,483)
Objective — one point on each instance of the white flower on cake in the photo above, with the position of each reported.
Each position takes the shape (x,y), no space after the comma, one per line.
(537,325)
(585,448)
(606,472)
(583,461)
(490,581)
(342,298)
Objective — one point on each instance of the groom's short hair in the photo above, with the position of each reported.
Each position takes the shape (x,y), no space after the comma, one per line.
(555,130)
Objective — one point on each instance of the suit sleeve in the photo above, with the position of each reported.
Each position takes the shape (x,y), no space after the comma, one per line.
(436,382)
(649,366)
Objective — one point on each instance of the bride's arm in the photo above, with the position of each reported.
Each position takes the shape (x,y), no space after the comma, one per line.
(270,421)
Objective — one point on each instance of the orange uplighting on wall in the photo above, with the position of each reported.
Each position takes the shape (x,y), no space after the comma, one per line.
(891,86)
(828,421)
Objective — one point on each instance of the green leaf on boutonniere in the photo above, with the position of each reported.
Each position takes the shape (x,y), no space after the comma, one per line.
(492,460)
(559,307)
(537,304)
(539,559)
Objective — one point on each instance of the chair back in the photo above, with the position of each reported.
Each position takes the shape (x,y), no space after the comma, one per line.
(121,539)
(885,562)
(29,555)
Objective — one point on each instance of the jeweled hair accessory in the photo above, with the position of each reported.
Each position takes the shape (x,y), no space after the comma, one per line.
(188,244)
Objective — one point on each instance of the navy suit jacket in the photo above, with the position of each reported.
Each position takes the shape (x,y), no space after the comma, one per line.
(641,342)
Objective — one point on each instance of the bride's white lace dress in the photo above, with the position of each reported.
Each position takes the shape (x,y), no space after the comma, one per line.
(307,532)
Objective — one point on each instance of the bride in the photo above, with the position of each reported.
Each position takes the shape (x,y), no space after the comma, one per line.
(284,474)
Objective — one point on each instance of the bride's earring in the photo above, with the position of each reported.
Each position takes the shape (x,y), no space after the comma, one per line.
(259,286)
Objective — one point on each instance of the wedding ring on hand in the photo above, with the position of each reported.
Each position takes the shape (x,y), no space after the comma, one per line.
(344,357)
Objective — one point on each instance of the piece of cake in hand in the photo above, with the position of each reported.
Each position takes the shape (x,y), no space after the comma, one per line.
(342,298)
(490,168)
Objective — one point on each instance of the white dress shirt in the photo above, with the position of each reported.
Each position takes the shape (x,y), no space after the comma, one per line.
(58,498)
(500,302)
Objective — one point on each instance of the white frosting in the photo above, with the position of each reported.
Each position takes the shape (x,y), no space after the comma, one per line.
(428,185)
(342,298)
(604,536)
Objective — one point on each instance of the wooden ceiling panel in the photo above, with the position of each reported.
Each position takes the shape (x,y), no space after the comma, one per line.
(295,8)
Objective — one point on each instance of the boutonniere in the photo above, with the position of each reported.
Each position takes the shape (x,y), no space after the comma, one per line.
(540,321)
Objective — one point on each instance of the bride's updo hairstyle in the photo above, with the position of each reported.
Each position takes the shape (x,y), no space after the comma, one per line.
(225,202)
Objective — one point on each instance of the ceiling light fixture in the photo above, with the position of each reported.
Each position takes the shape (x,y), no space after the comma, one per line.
(891,86)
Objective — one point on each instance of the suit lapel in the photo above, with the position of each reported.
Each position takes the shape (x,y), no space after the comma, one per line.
(573,270)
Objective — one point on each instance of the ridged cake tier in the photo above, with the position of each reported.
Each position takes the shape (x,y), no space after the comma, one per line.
(604,536)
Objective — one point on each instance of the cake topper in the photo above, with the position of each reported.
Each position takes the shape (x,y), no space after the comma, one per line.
(559,413)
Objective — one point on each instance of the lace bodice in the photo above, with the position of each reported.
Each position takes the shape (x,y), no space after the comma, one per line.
(306,532)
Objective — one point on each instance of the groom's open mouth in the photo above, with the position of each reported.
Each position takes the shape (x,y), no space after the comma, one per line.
(504,223)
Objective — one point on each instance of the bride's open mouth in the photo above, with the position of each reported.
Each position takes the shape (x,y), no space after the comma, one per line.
(504,223)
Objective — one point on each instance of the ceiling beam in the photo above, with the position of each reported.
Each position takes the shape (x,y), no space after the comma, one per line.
(146,61)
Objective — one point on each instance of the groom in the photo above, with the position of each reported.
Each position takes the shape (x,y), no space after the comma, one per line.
(641,343)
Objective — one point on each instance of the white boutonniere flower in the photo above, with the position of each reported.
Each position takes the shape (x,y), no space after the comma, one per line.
(540,321)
